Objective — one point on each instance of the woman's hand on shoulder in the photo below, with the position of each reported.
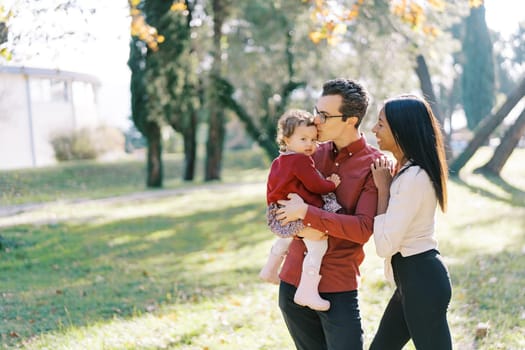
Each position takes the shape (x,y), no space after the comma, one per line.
(382,172)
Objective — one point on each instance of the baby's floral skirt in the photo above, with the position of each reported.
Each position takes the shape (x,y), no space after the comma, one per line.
(293,228)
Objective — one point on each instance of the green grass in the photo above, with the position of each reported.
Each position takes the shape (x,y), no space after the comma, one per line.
(180,271)
(92,179)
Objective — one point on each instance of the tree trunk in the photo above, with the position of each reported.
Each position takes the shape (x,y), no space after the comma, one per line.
(215,144)
(428,91)
(154,169)
(190,148)
(486,127)
(216,130)
(508,143)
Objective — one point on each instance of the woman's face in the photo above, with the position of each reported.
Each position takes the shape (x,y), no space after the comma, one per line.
(384,136)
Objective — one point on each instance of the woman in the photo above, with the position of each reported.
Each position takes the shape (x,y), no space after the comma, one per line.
(408,194)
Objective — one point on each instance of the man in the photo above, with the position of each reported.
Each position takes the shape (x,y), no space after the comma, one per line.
(338,113)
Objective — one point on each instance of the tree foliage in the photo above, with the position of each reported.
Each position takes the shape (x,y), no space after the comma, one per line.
(144,30)
(31,28)
(478,79)
(264,47)
(5,15)
(332,18)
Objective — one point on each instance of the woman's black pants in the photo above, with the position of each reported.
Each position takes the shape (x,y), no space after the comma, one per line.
(418,308)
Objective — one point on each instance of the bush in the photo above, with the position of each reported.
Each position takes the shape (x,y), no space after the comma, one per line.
(87,143)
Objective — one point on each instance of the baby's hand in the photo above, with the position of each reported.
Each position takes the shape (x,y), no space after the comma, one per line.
(335,179)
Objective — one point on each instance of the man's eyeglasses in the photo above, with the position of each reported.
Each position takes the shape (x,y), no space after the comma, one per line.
(323,116)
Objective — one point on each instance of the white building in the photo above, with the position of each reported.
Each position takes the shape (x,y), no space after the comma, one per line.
(36,103)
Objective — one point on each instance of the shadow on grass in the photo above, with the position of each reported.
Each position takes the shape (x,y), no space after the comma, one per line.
(76,275)
(516,196)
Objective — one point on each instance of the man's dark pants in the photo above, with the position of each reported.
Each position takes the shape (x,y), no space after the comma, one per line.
(339,328)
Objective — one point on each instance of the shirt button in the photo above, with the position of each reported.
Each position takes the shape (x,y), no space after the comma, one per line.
(326,231)
(336,164)
(350,153)
(308,224)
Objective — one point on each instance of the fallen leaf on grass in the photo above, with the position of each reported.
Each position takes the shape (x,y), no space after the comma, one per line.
(482,329)
(235,302)
(151,307)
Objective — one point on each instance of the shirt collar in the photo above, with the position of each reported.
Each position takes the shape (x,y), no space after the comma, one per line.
(407,164)
(352,148)
(285,153)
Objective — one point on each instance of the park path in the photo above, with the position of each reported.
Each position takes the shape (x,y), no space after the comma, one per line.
(17,209)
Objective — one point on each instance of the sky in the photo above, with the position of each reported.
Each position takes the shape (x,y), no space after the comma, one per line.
(106,56)
(504,15)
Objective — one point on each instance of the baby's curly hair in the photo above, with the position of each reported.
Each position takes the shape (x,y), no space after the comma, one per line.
(289,121)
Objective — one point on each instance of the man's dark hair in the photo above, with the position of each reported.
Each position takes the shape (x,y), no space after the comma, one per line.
(354,97)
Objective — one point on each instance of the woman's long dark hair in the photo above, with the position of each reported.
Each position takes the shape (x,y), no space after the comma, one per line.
(417,132)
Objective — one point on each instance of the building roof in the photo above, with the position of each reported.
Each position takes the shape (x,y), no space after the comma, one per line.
(50,74)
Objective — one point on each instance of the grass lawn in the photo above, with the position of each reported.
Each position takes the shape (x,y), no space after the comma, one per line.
(180,271)
(92,179)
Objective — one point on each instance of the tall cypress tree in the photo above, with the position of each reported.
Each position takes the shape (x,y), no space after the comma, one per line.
(141,66)
(478,79)
(174,81)
(164,86)
(140,113)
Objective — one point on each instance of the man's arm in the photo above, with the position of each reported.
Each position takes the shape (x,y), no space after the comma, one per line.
(356,228)
(294,209)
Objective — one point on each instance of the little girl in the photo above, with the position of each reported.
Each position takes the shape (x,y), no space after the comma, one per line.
(294,172)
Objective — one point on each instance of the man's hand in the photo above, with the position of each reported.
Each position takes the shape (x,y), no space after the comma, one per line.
(312,234)
(293,209)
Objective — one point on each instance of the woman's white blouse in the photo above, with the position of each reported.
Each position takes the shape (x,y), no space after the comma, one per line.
(408,224)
